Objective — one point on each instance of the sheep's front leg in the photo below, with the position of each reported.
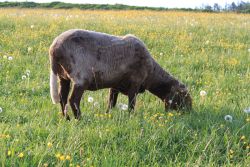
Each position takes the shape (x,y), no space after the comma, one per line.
(113,94)
(63,94)
(75,100)
(132,98)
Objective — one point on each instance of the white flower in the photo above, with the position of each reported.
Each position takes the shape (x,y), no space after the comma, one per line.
(96,104)
(32,26)
(248,50)
(203,93)
(24,77)
(1,110)
(228,118)
(28,73)
(170,101)
(10,58)
(90,99)
(247,110)
(161,54)
(123,106)
(119,105)
(29,49)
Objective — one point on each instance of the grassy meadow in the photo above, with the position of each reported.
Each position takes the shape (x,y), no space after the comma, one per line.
(207,51)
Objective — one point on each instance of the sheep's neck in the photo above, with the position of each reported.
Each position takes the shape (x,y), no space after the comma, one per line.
(160,82)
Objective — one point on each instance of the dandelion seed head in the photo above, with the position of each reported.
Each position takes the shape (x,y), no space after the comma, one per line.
(96,104)
(27,72)
(90,99)
(1,110)
(29,49)
(161,54)
(203,93)
(24,77)
(32,26)
(247,110)
(124,107)
(10,58)
(228,118)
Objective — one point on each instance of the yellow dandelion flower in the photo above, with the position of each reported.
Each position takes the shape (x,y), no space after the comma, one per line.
(68,157)
(49,144)
(243,137)
(231,156)
(231,151)
(21,155)
(9,153)
(62,157)
(70,164)
(45,164)
(170,114)
(248,119)
(58,155)
(77,165)
(7,136)
(161,125)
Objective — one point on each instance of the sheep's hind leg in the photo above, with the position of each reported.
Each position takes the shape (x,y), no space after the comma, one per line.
(75,99)
(63,93)
(113,94)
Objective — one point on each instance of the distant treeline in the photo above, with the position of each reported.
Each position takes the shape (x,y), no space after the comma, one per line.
(242,7)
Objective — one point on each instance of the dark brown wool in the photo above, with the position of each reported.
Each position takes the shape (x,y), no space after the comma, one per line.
(91,61)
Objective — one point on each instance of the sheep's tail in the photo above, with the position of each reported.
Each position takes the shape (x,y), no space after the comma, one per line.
(54,88)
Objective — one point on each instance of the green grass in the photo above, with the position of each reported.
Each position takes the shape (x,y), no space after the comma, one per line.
(205,51)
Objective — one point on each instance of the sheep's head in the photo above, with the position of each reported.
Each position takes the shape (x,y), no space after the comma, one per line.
(178,98)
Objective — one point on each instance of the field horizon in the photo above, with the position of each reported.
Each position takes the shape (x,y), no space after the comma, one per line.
(208,52)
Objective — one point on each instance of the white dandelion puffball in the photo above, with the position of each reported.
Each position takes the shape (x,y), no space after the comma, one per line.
(28,73)
(90,99)
(96,104)
(170,101)
(161,54)
(24,77)
(119,105)
(32,26)
(10,58)
(29,49)
(1,110)
(228,118)
(203,93)
(247,110)
(124,107)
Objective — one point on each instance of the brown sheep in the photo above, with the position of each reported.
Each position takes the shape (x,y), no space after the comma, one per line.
(93,60)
